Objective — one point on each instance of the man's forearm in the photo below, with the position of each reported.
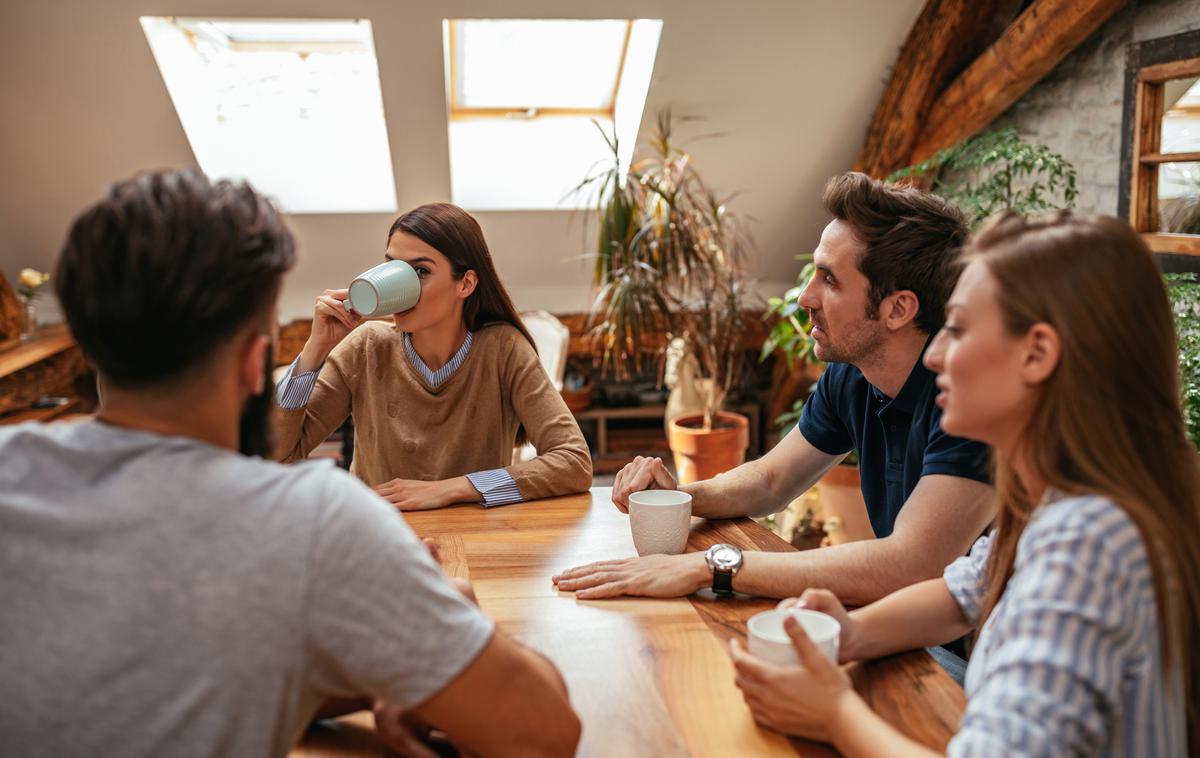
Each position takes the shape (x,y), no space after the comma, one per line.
(546,668)
(745,491)
(857,572)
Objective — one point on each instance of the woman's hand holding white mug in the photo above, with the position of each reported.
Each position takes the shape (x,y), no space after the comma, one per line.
(331,323)
(826,602)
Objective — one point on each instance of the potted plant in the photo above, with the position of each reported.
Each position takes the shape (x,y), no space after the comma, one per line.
(668,266)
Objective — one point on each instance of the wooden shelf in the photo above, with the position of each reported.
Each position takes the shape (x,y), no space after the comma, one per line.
(40,414)
(16,355)
(602,415)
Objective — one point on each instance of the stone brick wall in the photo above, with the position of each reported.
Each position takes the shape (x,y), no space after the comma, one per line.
(1076,109)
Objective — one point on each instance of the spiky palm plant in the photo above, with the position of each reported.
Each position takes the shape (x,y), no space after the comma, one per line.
(669,261)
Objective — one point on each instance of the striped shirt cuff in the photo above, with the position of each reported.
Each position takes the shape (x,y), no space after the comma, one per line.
(965,578)
(294,391)
(497,487)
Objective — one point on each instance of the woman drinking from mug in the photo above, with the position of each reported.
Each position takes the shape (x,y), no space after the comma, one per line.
(1059,350)
(438,394)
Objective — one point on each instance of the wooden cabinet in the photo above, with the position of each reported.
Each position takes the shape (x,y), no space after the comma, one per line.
(49,364)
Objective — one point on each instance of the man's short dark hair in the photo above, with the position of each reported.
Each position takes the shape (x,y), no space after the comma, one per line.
(912,241)
(158,274)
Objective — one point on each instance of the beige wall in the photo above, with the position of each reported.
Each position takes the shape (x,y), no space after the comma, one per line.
(793,82)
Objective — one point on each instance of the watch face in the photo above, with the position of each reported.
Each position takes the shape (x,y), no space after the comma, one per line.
(726,557)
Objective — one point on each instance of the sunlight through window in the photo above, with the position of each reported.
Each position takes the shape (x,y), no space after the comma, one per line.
(525,98)
(293,106)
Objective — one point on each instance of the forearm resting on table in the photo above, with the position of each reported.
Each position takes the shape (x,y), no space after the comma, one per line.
(460,490)
(858,731)
(509,701)
(920,616)
(857,572)
(938,523)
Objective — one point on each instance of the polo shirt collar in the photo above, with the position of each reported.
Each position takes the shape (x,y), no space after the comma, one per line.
(914,386)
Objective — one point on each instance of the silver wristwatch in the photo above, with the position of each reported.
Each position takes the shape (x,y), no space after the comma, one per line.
(724,561)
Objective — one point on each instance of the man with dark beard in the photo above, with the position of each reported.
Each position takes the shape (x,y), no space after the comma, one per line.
(885,267)
(166,595)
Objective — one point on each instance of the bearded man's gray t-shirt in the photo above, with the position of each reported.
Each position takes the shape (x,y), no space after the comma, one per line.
(162,596)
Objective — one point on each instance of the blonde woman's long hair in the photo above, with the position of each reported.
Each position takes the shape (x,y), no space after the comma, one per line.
(1108,421)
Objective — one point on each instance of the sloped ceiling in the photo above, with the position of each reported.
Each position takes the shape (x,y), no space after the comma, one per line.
(791,83)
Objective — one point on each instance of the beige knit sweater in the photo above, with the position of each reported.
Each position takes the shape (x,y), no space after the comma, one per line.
(405,429)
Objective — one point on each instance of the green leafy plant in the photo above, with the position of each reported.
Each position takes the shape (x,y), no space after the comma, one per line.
(668,261)
(997,171)
(1184,290)
(789,335)
(790,332)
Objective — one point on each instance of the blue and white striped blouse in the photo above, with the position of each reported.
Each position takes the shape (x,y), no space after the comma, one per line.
(495,485)
(1069,661)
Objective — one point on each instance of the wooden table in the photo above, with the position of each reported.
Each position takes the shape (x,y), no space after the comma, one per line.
(648,677)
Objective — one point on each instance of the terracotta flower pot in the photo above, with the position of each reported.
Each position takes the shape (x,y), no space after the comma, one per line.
(701,454)
(578,400)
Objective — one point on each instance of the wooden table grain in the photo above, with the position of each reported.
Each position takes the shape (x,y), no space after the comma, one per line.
(648,677)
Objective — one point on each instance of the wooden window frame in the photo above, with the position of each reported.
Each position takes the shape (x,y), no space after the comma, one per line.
(1149,66)
(458,112)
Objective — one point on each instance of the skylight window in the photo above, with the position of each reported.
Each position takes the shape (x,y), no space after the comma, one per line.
(522,96)
(293,106)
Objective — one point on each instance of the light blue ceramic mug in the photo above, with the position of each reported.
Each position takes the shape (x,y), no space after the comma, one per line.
(390,287)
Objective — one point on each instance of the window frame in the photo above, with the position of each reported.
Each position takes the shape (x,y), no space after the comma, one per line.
(1149,65)
(457,112)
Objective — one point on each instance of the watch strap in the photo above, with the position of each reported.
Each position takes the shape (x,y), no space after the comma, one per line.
(722,582)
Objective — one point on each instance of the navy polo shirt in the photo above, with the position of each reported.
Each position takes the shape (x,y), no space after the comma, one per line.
(899,440)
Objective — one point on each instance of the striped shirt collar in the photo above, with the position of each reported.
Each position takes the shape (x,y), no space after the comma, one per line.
(435,378)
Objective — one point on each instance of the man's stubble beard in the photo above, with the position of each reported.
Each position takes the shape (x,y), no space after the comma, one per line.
(254,427)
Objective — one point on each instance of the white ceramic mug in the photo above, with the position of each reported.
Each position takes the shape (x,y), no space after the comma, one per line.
(660,521)
(769,641)
(390,287)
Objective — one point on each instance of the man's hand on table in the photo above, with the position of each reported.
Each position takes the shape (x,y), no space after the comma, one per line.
(402,732)
(647,576)
(641,474)
(463,586)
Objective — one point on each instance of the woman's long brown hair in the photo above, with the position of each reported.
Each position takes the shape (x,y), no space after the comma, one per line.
(456,234)
(1108,421)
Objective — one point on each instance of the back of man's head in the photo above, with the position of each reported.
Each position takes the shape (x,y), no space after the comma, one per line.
(167,268)
(911,241)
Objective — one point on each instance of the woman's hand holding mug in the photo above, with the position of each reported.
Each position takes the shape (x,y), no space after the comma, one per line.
(331,323)
(826,602)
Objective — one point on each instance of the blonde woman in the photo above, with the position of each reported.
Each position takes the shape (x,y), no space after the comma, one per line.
(1059,351)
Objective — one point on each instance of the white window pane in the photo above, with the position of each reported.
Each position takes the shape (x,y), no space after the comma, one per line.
(505,164)
(521,64)
(292,106)
(635,84)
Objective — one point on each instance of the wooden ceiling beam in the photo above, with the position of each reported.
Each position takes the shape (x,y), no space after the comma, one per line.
(1028,50)
(945,38)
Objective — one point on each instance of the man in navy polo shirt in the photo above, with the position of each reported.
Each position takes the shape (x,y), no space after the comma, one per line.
(884,268)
